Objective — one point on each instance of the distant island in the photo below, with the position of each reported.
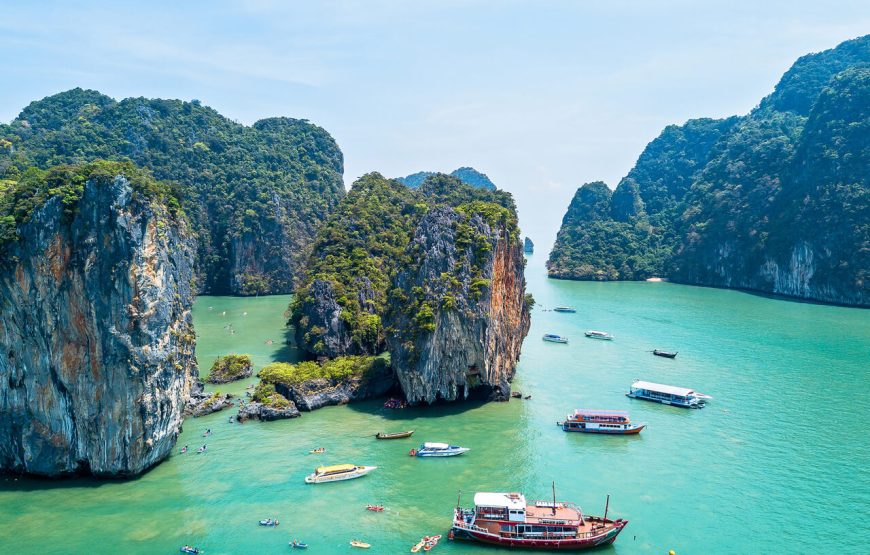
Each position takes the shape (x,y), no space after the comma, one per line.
(776,201)
(469,176)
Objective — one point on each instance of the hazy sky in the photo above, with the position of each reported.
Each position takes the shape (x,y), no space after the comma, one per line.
(541,96)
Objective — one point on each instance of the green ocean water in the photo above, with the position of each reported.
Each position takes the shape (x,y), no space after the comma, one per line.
(777,463)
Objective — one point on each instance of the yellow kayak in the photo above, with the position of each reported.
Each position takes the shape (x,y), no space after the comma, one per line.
(362,545)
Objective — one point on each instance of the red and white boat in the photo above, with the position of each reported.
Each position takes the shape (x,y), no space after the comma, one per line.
(505,519)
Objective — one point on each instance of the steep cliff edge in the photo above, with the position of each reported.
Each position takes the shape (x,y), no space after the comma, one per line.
(434,275)
(458,317)
(96,336)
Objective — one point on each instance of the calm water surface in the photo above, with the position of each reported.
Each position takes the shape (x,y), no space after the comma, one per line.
(777,463)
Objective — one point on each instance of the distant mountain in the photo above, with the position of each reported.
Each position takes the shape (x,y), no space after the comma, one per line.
(469,176)
(254,195)
(777,200)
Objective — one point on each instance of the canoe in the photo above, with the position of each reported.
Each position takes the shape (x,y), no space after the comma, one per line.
(298,545)
(361,545)
(268,522)
(394,435)
(189,549)
(418,547)
(318,451)
(665,354)
(375,508)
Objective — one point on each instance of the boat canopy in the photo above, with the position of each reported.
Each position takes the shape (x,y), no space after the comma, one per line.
(594,412)
(515,501)
(661,388)
(334,468)
(428,445)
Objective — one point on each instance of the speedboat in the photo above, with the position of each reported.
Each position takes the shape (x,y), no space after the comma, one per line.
(553,338)
(337,473)
(565,309)
(268,522)
(595,334)
(440,450)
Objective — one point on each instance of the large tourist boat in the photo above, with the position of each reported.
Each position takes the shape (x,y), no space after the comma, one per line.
(337,472)
(668,395)
(505,519)
(589,421)
(439,450)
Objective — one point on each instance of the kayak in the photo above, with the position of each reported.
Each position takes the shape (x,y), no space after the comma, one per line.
(318,451)
(298,545)
(268,522)
(418,547)
(189,549)
(361,545)
(375,508)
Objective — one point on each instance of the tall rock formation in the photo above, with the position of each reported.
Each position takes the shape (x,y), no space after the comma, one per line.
(96,336)
(254,195)
(464,332)
(775,201)
(434,275)
(467,175)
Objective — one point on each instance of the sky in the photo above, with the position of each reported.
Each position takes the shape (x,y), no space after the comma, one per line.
(541,96)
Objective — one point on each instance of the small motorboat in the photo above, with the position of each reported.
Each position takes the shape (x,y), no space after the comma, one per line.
(298,545)
(439,450)
(318,451)
(360,544)
(189,549)
(595,334)
(394,435)
(565,309)
(553,338)
(268,522)
(665,354)
(337,473)
(375,508)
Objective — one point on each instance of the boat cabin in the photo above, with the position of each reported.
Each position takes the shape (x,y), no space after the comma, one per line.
(334,469)
(667,394)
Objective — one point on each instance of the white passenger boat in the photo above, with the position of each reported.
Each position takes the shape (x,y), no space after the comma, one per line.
(595,334)
(553,338)
(440,450)
(668,395)
(337,473)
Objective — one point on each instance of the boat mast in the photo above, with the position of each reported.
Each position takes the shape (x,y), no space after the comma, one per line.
(606,506)
(554,498)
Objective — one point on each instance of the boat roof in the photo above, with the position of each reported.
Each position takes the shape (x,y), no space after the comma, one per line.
(506,500)
(335,468)
(430,445)
(598,412)
(598,332)
(661,388)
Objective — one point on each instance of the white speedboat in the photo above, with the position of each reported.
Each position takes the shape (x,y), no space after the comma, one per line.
(440,450)
(337,472)
(595,334)
(553,338)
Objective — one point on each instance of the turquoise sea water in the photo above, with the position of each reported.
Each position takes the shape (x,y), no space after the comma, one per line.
(777,463)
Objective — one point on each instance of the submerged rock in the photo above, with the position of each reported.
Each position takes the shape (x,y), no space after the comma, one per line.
(96,335)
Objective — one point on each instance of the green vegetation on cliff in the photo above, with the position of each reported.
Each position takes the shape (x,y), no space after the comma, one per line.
(778,200)
(230,368)
(469,176)
(359,250)
(255,195)
(337,369)
(29,190)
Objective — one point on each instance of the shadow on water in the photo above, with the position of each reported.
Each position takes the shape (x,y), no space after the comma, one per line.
(436,410)
(26,483)
(288,352)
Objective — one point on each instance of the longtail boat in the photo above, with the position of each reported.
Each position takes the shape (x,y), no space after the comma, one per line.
(665,354)
(506,520)
(394,435)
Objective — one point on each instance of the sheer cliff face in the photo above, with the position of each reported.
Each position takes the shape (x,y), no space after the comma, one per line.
(775,201)
(96,336)
(463,333)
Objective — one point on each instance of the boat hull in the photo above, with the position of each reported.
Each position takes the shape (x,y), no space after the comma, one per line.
(452,453)
(460,532)
(629,431)
(698,405)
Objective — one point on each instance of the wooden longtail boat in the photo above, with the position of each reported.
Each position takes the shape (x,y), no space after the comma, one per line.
(665,354)
(394,435)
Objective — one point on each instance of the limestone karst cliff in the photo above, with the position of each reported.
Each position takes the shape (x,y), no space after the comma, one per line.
(96,337)
(434,275)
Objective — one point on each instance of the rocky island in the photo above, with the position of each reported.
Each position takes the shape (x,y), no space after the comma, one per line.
(433,275)
(740,202)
